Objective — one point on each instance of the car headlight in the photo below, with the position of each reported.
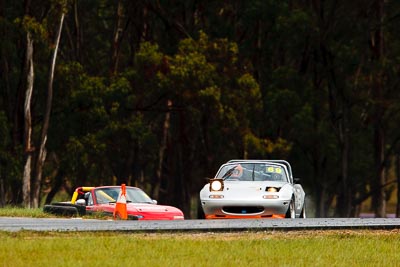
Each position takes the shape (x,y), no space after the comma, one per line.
(216,185)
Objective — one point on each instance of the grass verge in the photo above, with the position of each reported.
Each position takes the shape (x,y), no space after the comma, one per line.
(13,211)
(295,248)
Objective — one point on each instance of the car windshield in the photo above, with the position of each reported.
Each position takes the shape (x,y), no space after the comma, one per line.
(110,194)
(252,172)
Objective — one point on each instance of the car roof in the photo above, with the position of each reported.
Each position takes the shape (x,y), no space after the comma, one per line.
(89,188)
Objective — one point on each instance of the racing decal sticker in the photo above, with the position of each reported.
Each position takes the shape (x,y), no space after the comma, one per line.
(274,169)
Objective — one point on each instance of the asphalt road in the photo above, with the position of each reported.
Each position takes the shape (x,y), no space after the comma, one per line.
(14,224)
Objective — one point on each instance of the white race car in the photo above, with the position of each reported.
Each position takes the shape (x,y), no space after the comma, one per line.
(253,189)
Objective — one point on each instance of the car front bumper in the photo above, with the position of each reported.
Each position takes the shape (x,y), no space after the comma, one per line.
(234,209)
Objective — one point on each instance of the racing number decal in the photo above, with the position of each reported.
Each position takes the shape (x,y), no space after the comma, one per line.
(272,169)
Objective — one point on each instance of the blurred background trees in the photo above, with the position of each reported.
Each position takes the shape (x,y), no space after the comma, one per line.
(158,94)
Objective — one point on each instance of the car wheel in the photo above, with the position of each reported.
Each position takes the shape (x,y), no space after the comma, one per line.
(200,212)
(303,212)
(291,213)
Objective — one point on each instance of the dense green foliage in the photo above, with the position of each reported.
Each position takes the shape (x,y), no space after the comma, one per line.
(158,94)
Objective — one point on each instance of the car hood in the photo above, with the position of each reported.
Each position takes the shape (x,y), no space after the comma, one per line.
(143,211)
(247,186)
(144,207)
(154,212)
(251,186)
(247,189)
(242,184)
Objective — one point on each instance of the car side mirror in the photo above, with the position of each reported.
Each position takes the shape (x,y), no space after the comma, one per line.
(80,202)
(154,201)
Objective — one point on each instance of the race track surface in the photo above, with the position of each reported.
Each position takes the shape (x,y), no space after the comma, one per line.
(14,224)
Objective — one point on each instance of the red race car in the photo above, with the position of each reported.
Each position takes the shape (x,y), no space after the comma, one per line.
(102,199)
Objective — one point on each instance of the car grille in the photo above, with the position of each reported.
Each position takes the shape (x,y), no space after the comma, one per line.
(243,210)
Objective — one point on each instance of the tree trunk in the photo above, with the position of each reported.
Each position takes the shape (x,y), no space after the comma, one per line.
(398,185)
(344,202)
(118,33)
(2,191)
(183,173)
(379,198)
(42,151)
(4,69)
(161,151)
(321,194)
(78,33)
(58,180)
(26,180)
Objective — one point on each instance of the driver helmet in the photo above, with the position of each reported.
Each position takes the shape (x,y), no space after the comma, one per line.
(238,171)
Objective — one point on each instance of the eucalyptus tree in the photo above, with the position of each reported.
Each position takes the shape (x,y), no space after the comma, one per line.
(32,24)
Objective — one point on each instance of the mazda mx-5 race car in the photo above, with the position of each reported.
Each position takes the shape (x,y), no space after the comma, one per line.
(253,189)
(102,199)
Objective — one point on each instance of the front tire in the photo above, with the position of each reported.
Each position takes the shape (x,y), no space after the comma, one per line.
(200,212)
(291,213)
(303,212)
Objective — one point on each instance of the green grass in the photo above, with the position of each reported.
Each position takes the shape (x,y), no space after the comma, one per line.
(275,248)
(12,211)
(297,248)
